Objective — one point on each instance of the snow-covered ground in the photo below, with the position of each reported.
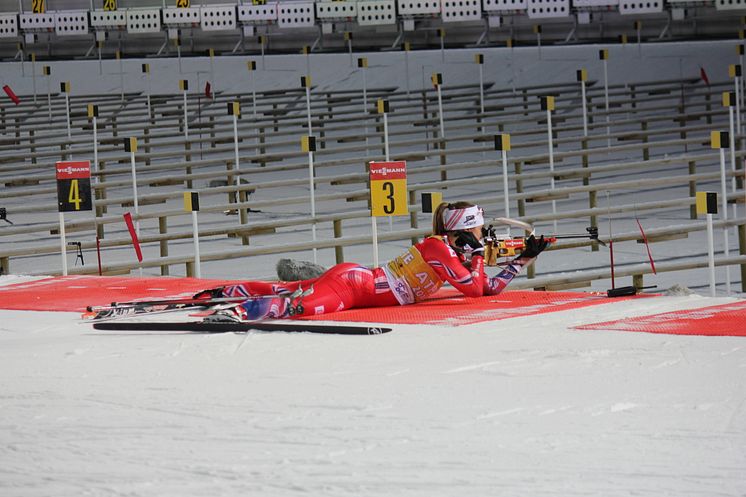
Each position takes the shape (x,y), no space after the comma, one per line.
(520,407)
(523,406)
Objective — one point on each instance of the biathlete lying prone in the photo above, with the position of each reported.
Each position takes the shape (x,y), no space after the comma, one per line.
(454,253)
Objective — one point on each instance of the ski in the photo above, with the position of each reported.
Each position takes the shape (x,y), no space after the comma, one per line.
(183,301)
(228,327)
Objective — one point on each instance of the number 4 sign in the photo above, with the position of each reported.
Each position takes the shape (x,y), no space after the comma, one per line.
(74,186)
(388,189)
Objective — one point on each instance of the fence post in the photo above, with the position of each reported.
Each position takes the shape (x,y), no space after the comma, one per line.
(5,265)
(163,229)
(338,249)
(645,150)
(637,281)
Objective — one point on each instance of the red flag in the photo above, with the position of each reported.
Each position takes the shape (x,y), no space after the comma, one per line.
(13,96)
(208,90)
(133,234)
(703,75)
(645,239)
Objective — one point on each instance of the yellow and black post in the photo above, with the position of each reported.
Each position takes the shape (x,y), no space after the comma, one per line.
(719,140)
(191,204)
(707,203)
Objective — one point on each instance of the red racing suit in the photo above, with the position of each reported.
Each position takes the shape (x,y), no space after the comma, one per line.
(409,278)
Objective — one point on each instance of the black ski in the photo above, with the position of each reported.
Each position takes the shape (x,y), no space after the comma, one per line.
(208,327)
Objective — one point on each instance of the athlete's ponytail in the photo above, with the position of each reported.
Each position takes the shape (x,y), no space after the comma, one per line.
(439,227)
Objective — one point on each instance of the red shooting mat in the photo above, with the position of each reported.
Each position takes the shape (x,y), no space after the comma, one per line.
(74,293)
(718,320)
(448,307)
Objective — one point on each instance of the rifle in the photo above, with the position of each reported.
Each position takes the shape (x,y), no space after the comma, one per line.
(503,245)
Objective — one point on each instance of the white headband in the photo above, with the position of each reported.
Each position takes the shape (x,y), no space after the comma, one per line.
(463,219)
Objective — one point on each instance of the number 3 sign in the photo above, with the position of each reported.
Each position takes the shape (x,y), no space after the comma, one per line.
(388,189)
(74,186)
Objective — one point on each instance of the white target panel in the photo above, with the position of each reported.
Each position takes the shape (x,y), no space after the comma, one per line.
(730,4)
(336,10)
(218,18)
(188,16)
(67,23)
(418,7)
(640,6)
(590,4)
(295,15)
(109,19)
(504,5)
(143,20)
(37,22)
(8,26)
(461,10)
(543,9)
(371,13)
(258,14)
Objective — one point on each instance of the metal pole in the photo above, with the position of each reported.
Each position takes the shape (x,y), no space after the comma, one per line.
(49,97)
(33,73)
(235,149)
(386,135)
(95,144)
(186,125)
(195,237)
(308,109)
(63,244)
(212,75)
(551,166)
(150,110)
(67,115)
(121,74)
(733,162)
(606,100)
(253,94)
(711,254)
(585,109)
(313,202)
(738,106)
(724,188)
(506,190)
(440,116)
(406,69)
(134,193)
(365,111)
(481,94)
(374,233)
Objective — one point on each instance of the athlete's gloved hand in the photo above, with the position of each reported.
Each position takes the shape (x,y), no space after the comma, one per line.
(212,293)
(534,246)
(469,243)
